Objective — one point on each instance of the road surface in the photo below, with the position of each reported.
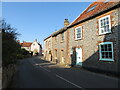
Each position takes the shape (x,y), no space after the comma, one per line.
(37,73)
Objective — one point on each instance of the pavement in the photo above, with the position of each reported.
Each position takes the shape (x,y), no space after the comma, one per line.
(37,73)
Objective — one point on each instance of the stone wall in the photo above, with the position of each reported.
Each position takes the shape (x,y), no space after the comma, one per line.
(60,46)
(90,41)
(7,74)
(48,49)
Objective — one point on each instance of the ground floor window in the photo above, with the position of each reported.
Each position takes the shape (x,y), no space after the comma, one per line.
(106,51)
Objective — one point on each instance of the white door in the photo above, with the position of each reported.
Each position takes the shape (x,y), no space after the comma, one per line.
(79,56)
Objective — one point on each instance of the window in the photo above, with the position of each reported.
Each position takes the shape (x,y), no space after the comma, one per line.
(106,51)
(46,44)
(62,36)
(78,33)
(49,44)
(92,8)
(56,53)
(104,25)
(106,1)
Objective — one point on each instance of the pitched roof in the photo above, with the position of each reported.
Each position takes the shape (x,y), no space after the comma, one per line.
(59,31)
(47,37)
(26,44)
(95,8)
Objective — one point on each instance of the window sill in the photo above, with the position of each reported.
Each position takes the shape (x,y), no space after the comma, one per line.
(105,33)
(78,39)
(62,41)
(107,60)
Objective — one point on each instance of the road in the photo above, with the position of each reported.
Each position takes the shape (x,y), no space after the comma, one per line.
(38,73)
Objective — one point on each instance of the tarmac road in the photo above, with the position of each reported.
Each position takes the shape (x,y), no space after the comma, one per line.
(37,73)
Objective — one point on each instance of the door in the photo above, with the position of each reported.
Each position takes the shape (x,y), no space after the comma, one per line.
(79,56)
(62,56)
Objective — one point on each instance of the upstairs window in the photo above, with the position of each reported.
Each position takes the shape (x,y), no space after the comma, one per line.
(62,36)
(104,25)
(106,51)
(78,33)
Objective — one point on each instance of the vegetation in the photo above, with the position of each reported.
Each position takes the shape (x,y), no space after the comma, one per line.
(22,53)
(11,49)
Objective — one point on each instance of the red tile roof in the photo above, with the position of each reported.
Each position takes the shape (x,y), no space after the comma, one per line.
(100,6)
(26,44)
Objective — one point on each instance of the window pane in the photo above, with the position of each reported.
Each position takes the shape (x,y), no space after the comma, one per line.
(103,55)
(101,22)
(104,22)
(105,47)
(109,47)
(110,55)
(107,20)
(105,29)
(78,30)
(102,48)
(106,54)
(78,36)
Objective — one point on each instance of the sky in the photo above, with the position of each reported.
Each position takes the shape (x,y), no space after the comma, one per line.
(37,20)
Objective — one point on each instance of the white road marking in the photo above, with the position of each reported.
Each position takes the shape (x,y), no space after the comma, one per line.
(45,69)
(69,81)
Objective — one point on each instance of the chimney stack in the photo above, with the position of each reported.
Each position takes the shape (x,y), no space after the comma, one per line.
(66,22)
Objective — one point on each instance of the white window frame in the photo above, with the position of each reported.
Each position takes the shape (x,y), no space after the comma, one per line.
(100,28)
(105,59)
(62,36)
(76,38)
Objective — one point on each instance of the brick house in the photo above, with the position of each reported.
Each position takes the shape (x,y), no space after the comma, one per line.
(92,39)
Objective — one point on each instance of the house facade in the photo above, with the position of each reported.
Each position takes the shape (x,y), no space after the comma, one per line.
(92,40)
(34,47)
(48,48)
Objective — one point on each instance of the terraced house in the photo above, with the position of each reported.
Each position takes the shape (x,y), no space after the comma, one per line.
(92,40)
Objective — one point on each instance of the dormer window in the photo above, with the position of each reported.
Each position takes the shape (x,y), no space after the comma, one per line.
(106,1)
(92,8)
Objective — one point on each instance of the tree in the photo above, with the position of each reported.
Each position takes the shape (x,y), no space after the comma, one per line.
(10,46)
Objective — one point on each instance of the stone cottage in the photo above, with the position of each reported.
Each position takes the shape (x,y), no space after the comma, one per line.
(34,47)
(92,40)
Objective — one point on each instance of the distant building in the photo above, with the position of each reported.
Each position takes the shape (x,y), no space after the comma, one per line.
(34,47)
(26,45)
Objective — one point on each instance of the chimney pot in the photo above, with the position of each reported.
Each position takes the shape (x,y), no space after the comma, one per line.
(66,22)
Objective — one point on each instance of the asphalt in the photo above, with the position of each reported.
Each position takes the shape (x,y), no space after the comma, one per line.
(37,73)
